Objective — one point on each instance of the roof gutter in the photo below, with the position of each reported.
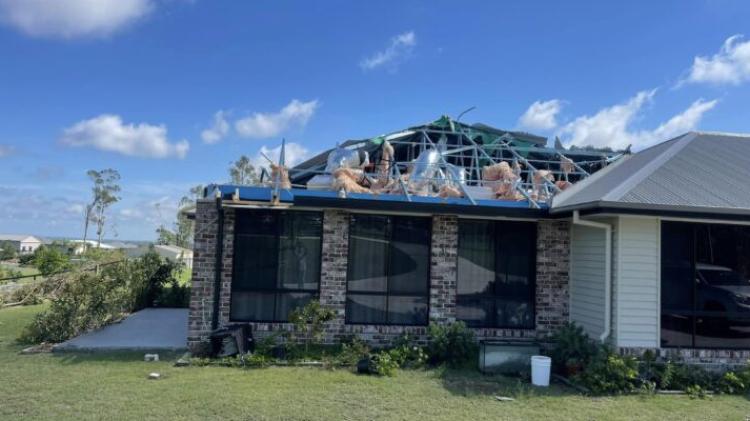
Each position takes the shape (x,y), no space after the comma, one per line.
(607,269)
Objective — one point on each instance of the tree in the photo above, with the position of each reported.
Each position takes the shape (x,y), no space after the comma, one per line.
(7,250)
(182,233)
(50,260)
(243,172)
(104,194)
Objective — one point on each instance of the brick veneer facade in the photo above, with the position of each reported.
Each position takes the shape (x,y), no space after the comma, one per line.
(551,279)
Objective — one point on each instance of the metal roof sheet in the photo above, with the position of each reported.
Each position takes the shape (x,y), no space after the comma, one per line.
(706,171)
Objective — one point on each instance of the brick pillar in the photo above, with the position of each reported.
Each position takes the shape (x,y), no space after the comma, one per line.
(552,269)
(227,262)
(204,263)
(443,265)
(335,250)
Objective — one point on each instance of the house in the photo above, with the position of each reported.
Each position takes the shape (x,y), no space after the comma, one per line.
(660,249)
(174,253)
(391,262)
(449,221)
(23,244)
(79,248)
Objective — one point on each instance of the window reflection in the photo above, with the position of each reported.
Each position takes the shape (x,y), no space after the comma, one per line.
(705,285)
(496,270)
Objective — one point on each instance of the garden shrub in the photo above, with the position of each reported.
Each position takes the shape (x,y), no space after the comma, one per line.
(26,259)
(610,373)
(407,353)
(84,300)
(50,260)
(453,344)
(573,349)
(309,323)
(352,351)
(731,383)
(383,364)
(683,376)
(154,281)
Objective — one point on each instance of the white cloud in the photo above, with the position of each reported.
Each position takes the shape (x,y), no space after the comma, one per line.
(400,49)
(218,130)
(296,114)
(108,133)
(611,126)
(294,153)
(72,18)
(731,65)
(6,150)
(541,115)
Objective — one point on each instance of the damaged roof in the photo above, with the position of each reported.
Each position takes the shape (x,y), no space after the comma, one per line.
(696,172)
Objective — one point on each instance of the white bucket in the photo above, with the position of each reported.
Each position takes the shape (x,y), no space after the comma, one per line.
(540,369)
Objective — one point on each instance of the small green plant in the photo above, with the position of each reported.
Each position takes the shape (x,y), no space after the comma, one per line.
(266,345)
(453,344)
(383,364)
(352,351)
(696,391)
(609,373)
(407,353)
(573,349)
(309,322)
(731,383)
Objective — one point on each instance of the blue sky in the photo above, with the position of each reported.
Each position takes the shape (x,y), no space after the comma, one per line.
(169,92)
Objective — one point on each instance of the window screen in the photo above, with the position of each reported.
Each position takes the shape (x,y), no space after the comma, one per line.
(388,271)
(276,263)
(496,273)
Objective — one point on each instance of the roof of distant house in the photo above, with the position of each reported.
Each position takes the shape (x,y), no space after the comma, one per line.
(699,172)
(173,249)
(19,238)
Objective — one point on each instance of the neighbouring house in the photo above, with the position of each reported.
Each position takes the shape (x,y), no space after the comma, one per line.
(23,244)
(449,221)
(174,253)
(78,246)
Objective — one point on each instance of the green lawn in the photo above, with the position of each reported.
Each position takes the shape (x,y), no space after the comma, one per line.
(25,270)
(114,386)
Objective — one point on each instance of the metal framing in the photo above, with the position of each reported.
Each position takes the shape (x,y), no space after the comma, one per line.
(463,149)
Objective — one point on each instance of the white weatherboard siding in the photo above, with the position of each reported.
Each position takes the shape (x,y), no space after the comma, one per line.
(587,275)
(637,276)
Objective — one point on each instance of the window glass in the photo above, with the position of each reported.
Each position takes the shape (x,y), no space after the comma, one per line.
(276,263)
(388,270)
(496,272)
(370,309)
(409,262)
(368,253)
(705,285)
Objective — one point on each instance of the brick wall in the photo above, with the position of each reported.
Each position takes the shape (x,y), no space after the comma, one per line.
(552,279)
(711,359)
(552,269)
(204,263)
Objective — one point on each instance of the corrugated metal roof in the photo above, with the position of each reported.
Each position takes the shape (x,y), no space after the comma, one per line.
(696,171)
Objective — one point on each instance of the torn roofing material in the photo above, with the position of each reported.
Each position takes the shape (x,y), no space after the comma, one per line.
(446,158)
(696,172)
(480,133)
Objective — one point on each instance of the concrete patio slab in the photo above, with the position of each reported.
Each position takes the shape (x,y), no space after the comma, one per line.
(150,329)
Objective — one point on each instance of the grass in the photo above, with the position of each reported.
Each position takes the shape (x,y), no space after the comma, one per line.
(114,386)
